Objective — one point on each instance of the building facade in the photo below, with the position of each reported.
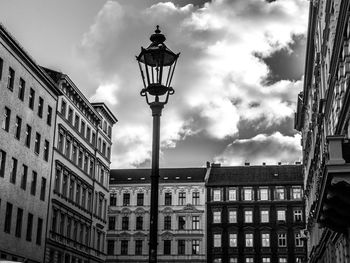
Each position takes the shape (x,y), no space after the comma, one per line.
(28,99)
(181,221)
(323,119)
(255,214)
(77,214)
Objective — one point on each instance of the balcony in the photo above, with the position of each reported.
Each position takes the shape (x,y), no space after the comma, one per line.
(334,194)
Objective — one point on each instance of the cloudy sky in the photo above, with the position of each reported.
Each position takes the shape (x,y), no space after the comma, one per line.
(237,78)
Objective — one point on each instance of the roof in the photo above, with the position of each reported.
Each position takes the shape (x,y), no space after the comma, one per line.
(28,60)
(107,111)
(255,175)
(167,175)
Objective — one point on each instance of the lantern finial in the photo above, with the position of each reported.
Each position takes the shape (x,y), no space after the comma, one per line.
(157,31)
(157,38)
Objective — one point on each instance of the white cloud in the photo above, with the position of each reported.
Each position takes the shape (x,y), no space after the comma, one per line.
(218,79)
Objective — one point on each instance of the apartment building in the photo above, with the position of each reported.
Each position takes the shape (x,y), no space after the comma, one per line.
(28,99)
(255,214)
(77,213)
(181,220)
(323,119)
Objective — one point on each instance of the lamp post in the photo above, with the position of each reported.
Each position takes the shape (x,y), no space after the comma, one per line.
(157,65)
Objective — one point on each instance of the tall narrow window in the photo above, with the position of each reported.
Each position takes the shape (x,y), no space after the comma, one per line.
(195,198)
(24,177)
(8,218)
(49,115)
(264,216)
(263,194)
(2,163)
(126,199)
(265,240)
(124,247)
(298,215)
(279,193)
(167,222)
(37,143)
(232,216)
(33,183)
(1,67)
(195,222)
(249,240)
(110,247)
(138,247)
(64,185)
(167,199)
(82,128)
(232,194)
(247,194)
(18,127)
(29,227)
(10,79)
(43,189)
(167,247)
(111,223)
(195,247)
(18,232)
(13,172)
(68,146)
(31,98)
(76,121)
(233,240)
(140,199)
(282,239)
(88,133)
(248,216)
(182,198)
(21,90)
(216,195)
(125,223)
(63,108)
(28,136)
(298,240)
(217,240)
(296,192)
(40,107)
(39,231)
(182,223)
(77,194)
(70,115)
(281,215)
(6,120)
(46,150)
(139,223)
(217,217)
(113,199)
(181,247)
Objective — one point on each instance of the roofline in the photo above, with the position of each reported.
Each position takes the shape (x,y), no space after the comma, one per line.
(16,46)
(105,107)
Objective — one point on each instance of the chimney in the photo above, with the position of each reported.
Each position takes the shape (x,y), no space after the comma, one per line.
(279,163)
(297,162)
(263,163)
(208,164)
(246,164)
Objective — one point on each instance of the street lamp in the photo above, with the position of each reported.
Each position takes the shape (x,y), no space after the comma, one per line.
(157,65)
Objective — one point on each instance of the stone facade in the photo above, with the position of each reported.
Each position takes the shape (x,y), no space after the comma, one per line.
(28,99)
(323,119)
(181,220)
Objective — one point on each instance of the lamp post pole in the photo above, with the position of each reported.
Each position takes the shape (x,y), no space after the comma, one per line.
(156,113)
(157,65)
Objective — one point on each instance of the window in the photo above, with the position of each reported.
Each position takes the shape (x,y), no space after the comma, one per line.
(80,159)
(298,215)
(13,172)
(249,240)
(10,79)
(195,222)
(43,189)
(111,223)
(264,216)
(76,121)
(232,216)
(139,223)
(28,136)
(233,260)
(247,194)
(29,227)
(1,65)
(70,115)
(110,247)
(167,199)
(281,215)
(31,98)
(124,247)
(99,144)
(216,217)
(37,143)
(298,240)
(299,260)
(138,247)
(282,239)
(266,260)
(265,240)
(83,197)
(280,193)
(125,223)
(248,216)
(86,164)
(18,126)
(91,168)
(46,150)
(195,247)
(113,200)
(195,198)
(77,194)
(33,183)
(21,89)
(71,189)
(24,177)
(182,198)
(296,192)
(233,240)
(216,195)
(102,176)
(217,240)
(167,222)
(74,153)
(109,131)
(104,148)
(249,260)
(2,163)
(93,138)
(65,185)
(6,120)
(63,108)
(263,194)
(217,260)
(82,128)
(140,199)
(8,218)
(167,247)
(126,199)
(39,231)
(182,222)
(232,194)
(18,232)
(40,107)
(282,260)
(49,115)
(181,247)
(54,221)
